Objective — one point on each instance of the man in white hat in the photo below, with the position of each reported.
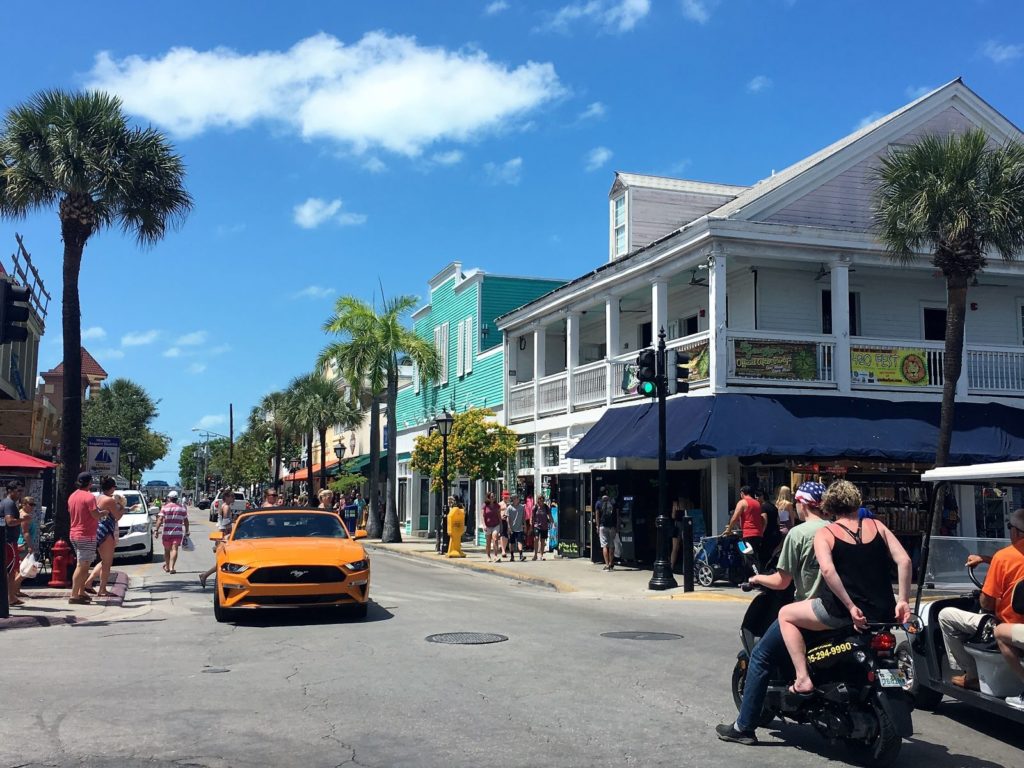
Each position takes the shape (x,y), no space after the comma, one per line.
(173,521)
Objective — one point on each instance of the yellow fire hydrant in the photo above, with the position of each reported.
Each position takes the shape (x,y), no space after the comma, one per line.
(456,527)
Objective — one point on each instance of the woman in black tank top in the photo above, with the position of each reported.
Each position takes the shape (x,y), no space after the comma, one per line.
(855,557)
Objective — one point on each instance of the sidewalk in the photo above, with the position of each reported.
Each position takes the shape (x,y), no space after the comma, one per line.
(566,575)
(45,607)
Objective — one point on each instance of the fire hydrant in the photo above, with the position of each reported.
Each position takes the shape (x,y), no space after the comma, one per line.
(61,556)
(456,527)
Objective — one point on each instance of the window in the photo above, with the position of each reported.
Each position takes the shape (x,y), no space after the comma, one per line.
(1020,319)
(934,322)
(646,337)
(826,312)
(468,346)
(550,455)
(441,345)
(524,458)
(689,325)
(619,225)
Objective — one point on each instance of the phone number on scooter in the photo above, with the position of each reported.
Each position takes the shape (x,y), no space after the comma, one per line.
(818,654)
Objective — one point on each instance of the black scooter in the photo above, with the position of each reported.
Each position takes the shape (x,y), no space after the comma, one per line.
(859,695)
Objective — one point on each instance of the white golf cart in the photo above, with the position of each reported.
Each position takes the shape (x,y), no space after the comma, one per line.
(943,563)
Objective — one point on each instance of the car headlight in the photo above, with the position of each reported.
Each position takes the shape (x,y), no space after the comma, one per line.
(234,568)
(140,528)
(358,565)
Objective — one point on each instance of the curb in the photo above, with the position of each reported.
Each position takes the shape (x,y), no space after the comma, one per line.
(117,586)
(558,586)
(18,622)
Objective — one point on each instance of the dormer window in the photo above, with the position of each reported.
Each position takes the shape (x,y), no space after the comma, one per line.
(619,242)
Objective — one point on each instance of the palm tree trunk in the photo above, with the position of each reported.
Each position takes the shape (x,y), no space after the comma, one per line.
(952,361)
(323,461)
(310,496)
(373,520)
(392,534)
(71,418)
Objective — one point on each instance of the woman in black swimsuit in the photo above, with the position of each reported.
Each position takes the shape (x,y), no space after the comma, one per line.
(854,556)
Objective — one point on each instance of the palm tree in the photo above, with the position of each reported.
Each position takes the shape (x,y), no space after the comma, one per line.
(370,351)
(272,409)
(76,151)
(959,198)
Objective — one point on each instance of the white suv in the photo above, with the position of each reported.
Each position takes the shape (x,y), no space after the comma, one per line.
(134,535)
(238,506)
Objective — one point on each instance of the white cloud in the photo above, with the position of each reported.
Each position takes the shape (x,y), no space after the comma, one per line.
(192,339)
(610,15)
(697,10)
(916,92)
(316,211)
(593,111)
(509,172)
(1001,53)
(384,91)
(597,157)
(210,421)
(374,165)
(172,352)
(451,157)
(313,292)
(867,120)
(759,83)
(109,354)
(139,338)
(93,334)
(495,8)
(220,349)
(196,367)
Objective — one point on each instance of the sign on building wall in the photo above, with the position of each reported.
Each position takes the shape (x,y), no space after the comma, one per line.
(793,360)
(103,455)
(894,366)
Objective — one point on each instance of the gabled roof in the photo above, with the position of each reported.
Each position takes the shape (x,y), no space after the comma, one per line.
(89,367)
(623,179)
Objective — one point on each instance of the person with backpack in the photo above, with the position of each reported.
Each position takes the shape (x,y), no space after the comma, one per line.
(608,530)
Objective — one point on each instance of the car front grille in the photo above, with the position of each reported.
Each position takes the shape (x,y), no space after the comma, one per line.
(295,600)
(297,574)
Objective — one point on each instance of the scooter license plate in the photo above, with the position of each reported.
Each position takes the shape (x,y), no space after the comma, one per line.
(891,678)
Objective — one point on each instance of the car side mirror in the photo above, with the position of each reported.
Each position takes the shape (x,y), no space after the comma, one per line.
(216,535)
(359,534)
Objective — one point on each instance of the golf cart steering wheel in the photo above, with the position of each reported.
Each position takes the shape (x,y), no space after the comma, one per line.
(973,576)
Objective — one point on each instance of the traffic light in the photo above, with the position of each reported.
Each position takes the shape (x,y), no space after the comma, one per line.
(647,373)
(677,370)
(13,310)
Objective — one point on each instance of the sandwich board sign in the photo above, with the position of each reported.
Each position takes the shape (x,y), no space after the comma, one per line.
(103,455)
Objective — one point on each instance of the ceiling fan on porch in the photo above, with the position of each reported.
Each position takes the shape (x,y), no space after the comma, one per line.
(694,280)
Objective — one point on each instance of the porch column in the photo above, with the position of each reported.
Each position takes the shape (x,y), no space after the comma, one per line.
(572,355)
(611,335)
(539,352)
(659,308)
(720,509)
(962,384)
(840,279)
(718,341)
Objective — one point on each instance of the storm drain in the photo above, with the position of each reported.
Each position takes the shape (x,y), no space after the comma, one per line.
(466,638)
(641,636)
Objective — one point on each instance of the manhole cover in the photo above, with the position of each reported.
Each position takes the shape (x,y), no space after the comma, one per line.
(216,670)
(466,638)
(642,635)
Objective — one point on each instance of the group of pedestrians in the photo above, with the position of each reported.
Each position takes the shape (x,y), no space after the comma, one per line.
(506,526)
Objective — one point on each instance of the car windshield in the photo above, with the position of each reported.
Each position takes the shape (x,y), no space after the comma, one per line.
(134,502)
(289,525)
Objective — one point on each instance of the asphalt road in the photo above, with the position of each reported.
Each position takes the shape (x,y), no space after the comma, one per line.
(162,684)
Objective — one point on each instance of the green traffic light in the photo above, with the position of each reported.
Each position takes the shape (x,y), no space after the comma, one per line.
(647,389)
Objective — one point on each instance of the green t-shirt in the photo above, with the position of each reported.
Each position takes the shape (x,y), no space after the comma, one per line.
(797,559)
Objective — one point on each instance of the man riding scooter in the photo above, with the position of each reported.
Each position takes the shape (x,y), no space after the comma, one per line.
(797,566)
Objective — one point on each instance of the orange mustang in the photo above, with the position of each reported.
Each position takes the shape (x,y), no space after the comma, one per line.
(290,558)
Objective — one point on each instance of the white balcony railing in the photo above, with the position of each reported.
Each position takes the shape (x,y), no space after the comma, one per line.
(552,394)
(520,402)
(995,370)
(590,385)
(783,359)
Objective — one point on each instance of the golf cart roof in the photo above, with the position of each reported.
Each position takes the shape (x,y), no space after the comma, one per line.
(976,472)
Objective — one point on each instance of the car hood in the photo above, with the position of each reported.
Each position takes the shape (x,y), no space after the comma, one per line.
(286,551)
(133,519)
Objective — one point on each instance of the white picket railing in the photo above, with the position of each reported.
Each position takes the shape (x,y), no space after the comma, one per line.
(590,385)
(995,370)
(552,393)
(520,402)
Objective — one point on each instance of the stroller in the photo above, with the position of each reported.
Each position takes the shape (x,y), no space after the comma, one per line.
(720,557)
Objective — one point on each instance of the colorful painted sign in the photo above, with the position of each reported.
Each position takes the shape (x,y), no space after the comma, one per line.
(790,360)
(103,455)
(891,366)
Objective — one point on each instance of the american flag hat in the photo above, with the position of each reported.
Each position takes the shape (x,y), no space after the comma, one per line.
(810,493)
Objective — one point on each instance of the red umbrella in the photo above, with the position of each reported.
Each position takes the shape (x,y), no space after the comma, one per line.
(11,459)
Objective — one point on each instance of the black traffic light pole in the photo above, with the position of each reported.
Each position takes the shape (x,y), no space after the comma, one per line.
(662,577)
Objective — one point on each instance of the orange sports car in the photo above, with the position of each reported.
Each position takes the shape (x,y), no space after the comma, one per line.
(290,558)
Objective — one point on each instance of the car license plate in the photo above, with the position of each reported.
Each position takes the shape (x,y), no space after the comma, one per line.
(891,678)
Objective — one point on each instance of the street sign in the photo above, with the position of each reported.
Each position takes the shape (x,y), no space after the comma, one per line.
(103,455)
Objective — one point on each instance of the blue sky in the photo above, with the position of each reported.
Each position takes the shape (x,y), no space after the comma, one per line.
(334,144)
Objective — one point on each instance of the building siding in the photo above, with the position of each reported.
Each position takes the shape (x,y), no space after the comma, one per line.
(501,295)
(653,213)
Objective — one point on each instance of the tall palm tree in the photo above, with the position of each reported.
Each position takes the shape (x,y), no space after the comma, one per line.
(961,199)
(371,347)
(77,151)
(272,409)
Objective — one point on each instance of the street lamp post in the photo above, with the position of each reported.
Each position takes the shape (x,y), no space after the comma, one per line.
(131,468)
(293,465)
(444,426)
(198,455)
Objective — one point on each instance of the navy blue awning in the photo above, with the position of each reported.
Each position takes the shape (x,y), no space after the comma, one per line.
(805,426)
